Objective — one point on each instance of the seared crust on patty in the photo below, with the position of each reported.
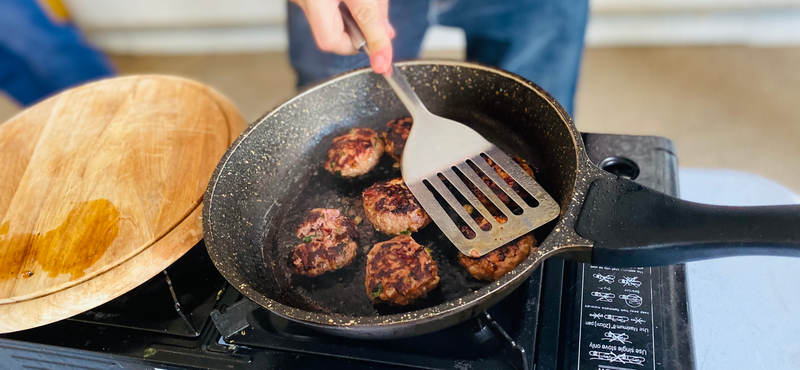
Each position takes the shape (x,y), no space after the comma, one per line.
(392,208)
(354,153)
(318,257)
(323,223)
(400,271)
(327,242)
(491,266)
(396,135)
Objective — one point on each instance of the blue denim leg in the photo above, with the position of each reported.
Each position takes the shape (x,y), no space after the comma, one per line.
(39,57)
(408,17)
(540,40)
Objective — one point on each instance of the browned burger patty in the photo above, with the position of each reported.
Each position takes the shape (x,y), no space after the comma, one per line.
(325,223)
(396,135)
(500,261)
(354,153)
(392,208)
(327,242)
(399,271)
(318,257)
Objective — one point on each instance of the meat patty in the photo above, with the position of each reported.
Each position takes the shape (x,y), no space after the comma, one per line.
(325,223)
(396,135)
(400,271)
(392,208)
(327,242)
(318,257)
(500,261)
(354,153)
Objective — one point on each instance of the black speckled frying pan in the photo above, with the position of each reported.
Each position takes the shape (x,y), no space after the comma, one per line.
(273,173)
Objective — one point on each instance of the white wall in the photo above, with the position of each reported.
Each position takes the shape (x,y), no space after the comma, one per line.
(143,14)
(655,6)
(217,26)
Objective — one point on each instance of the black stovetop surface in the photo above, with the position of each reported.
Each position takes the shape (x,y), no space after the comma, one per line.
(553,321)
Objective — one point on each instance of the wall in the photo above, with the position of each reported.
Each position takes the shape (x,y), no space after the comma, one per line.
(216,26)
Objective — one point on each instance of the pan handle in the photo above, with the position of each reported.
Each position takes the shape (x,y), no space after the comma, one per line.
(634,226)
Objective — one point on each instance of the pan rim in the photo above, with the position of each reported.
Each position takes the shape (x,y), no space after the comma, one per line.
(464,305)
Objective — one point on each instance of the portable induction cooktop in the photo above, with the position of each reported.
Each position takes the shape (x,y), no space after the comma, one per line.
(566,316)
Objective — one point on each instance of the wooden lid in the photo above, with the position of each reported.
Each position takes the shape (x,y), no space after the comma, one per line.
(92,180)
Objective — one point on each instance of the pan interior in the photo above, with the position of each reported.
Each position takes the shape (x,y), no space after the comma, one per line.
(274,174)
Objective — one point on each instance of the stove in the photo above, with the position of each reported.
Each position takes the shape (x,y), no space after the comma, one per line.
(566,316)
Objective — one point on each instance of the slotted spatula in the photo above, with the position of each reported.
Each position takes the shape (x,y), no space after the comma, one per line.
(436,148)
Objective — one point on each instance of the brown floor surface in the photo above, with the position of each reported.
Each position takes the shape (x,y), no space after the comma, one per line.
(724,107)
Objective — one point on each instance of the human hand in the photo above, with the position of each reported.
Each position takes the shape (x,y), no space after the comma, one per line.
(372,17)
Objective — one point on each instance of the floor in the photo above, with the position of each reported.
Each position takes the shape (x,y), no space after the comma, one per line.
(724,107)
(727,107)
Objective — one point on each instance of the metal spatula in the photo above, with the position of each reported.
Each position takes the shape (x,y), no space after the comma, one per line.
(436,148)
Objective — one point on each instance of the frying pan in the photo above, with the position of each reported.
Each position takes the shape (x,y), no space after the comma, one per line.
(273,173)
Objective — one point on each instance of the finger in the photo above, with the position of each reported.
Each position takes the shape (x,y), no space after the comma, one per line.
(372,22)
(390,30)
(383,5)
(327,26)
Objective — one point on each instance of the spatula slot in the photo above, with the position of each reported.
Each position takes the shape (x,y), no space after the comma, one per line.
(434,187)
(512,180)
(479,199)
(492,180)
(466,204)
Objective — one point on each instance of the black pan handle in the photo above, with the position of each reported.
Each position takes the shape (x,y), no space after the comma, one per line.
(634,226)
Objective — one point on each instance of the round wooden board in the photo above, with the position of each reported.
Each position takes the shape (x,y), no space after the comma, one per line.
(102,189)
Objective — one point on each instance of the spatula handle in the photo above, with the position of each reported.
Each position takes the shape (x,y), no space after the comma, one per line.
(633,225)
(352,29)
(396,79)
(406,93)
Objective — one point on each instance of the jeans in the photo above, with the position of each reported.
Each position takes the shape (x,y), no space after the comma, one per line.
(41,55)
(540,40)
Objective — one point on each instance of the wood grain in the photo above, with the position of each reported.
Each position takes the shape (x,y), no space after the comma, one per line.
(95,181)
(104,287)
